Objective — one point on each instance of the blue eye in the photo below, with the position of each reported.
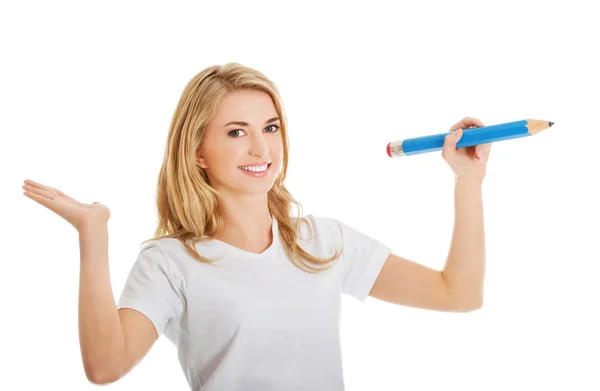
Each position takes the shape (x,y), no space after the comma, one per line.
(240,130)
(237,130)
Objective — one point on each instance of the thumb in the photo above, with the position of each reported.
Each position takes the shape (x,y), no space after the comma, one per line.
(450,142)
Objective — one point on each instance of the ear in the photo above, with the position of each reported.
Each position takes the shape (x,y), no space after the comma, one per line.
(200,160)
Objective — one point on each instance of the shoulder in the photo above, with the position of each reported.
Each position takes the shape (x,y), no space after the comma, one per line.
(168,247)
(167,253)
(157,248)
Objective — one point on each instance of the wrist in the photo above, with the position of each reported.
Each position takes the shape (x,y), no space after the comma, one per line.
(91,227)
(468,180)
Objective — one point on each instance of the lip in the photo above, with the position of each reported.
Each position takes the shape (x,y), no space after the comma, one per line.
(255,164)
(261,174)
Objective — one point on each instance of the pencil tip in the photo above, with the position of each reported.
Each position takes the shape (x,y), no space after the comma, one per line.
(551,123)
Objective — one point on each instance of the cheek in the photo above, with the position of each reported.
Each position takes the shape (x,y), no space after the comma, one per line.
(276,148)
(220,161)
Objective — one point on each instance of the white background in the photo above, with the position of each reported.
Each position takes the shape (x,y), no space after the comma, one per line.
(87,94)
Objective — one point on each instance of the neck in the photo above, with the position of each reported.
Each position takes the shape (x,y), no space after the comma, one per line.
(247,222)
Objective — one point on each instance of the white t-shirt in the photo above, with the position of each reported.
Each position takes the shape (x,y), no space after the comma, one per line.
(255,321)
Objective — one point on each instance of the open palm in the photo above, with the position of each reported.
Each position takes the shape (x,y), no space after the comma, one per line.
(76,213)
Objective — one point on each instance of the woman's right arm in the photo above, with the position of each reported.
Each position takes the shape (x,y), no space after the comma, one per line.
(100,332)
(112,342)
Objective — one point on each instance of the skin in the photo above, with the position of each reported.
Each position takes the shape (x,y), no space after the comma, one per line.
(225,148)
(459,286)
(465,162)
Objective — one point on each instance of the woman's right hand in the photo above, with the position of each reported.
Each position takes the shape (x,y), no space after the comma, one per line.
(79,215)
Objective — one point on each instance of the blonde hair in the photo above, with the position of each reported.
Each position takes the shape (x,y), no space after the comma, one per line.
(186,203)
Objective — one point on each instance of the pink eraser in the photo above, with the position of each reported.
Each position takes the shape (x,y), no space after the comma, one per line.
(388,150)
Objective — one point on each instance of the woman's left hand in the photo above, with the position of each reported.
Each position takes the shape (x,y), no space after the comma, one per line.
(467,162)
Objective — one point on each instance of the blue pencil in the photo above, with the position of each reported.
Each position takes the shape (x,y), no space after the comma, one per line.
(471,136)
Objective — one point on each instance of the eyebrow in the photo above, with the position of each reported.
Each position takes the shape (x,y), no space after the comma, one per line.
(240,123)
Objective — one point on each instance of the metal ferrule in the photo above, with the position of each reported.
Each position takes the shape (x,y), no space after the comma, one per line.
(396,148)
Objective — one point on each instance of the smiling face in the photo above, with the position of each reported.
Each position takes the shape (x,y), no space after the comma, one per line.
(244,131)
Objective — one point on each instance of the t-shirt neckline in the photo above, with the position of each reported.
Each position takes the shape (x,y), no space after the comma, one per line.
(275,234)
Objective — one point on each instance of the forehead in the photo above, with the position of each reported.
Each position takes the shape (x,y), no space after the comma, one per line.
(245,105)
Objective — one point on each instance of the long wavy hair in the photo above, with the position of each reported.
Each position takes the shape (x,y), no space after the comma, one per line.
(186,203)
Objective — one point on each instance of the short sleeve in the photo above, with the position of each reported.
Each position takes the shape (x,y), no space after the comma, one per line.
(363,259)
(152,289)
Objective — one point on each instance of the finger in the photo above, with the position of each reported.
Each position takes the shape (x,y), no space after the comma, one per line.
(483,150)
(466,123)
(478,151)
(484,158)
(44,187)
(38,185)
(38,198)
(479,155)
(449,148)
(38,191)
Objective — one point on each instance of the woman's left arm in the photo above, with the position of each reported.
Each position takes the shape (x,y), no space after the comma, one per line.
(465,266)
(459,286)
(464,270)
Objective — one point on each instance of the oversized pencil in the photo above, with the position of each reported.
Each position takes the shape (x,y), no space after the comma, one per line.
(471,136)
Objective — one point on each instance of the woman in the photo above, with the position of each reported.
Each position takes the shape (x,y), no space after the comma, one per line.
(249,294)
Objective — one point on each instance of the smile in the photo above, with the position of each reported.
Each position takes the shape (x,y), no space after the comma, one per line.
(256,170)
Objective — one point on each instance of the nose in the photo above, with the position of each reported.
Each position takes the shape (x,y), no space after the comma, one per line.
(259,146)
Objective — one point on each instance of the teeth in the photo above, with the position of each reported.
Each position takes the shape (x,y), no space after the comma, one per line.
(254,168)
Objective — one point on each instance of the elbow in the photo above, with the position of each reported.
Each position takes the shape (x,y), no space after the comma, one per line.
(475,307)
(100,378)
(102,370)
(464,300)
(472,306)
(469,306)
